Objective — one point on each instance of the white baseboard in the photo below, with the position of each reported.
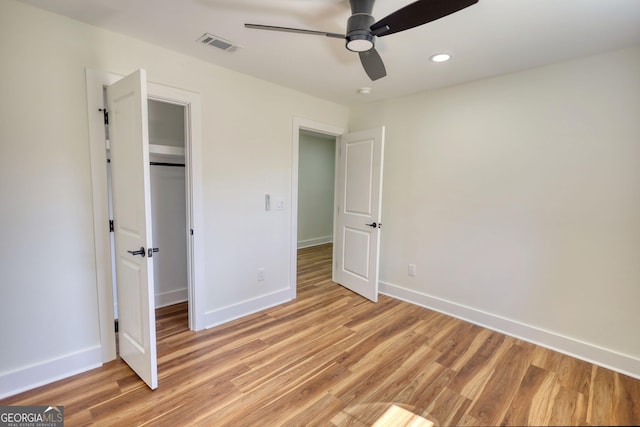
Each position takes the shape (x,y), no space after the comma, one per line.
(172,297)
(314,242)
(27,378)
(244,308)
(624,364)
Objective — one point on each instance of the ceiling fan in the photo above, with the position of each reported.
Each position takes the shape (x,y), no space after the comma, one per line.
(362,28)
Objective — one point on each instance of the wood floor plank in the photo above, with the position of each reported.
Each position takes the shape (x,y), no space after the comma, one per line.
(601,397)
(370,372)
(626,400)
(471,379)
(323,408)
(447,408)
(468,421)
(456,343)
(501,387)
(288,404)
(572,373)
(398,385)
(400,417)
(569,408)
(428,381)
(301,356)
(526,408)
(464,359)
(333,358)
(377,333)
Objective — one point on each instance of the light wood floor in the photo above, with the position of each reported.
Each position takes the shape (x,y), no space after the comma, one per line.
(333,358)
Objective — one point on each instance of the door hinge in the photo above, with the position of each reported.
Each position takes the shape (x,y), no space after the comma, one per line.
(105,115)
(191,231)
(115,325)
(111,229)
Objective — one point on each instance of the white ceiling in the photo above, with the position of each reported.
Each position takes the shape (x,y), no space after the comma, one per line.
(490,38)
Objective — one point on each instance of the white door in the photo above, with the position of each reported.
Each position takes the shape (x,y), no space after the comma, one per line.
(129,141)
(357,223)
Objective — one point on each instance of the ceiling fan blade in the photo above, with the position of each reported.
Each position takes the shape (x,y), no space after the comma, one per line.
(372,64)
(416,14)
(294,30)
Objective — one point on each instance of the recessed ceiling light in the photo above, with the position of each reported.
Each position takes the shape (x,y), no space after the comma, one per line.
(364,90)
(440,57)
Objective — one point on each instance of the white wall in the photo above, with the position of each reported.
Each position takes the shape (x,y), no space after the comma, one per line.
(316,170)
(169,234)
(48,296)
(518,199)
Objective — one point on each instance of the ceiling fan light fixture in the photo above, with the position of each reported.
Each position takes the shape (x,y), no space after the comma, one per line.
(360,43)
(440,57)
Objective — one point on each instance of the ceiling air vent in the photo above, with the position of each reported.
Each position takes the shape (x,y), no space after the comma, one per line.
(217,42)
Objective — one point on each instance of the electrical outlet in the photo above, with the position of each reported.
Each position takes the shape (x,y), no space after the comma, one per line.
(411,270)
(261,274)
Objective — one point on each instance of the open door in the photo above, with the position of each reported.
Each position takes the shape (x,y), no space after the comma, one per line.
(356,248)
(129,143)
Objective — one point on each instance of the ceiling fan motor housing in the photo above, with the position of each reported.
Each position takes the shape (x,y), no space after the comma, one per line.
(359,37)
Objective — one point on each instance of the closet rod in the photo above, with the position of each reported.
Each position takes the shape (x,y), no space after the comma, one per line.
(178,165)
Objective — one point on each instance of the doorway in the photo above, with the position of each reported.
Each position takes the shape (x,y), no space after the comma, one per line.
(316,182)
(191,102)
(357,206)
(316,185)
(313,144)
(167,141)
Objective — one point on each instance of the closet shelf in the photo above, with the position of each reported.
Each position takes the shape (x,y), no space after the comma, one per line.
(162,150)
(166,150)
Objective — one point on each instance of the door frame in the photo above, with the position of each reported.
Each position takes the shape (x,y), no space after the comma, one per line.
(96,80)
(299,124)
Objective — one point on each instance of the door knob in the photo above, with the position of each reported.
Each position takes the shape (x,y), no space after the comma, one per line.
(140,252)
(373,225)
